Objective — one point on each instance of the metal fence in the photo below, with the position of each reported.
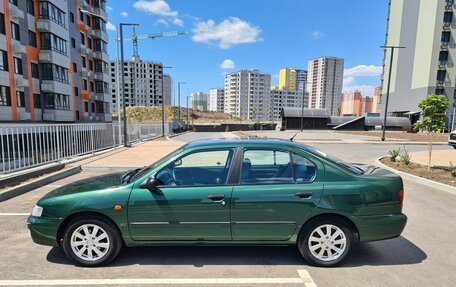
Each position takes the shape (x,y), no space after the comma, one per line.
(27,145)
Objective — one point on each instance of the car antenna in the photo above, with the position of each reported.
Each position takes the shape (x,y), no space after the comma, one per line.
(292,138)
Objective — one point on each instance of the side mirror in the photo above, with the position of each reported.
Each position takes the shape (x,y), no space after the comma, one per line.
(178,162)
(150,184)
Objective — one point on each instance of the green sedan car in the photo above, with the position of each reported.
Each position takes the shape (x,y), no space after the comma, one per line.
(226,192)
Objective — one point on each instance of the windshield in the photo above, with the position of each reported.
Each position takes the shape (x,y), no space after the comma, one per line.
(141,172)
(347,166)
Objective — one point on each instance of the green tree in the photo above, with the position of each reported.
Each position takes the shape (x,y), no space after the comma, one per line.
(433,109)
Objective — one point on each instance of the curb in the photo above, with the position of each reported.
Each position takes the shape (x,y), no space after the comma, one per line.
(107,168)
(26,187)
(175,135)
(416,179)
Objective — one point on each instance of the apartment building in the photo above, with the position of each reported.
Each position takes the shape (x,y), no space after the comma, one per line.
(53,61)
(427,30)
(247,95)
(283,99)
(143,83)
(354,104)
(168,89)
(216,100)
(200,101)
(292,79)
(324,83)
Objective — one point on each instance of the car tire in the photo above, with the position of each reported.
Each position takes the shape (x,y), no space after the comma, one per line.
(91,241)
(321,246)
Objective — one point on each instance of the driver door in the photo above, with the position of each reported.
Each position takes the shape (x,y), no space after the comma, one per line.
(191,202)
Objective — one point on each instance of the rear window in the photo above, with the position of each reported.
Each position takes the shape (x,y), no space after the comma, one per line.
(347,166)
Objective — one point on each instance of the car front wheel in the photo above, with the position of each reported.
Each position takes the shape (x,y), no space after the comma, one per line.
(91,242)
(326,242)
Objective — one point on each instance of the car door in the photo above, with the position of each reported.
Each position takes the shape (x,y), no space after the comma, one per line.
(191,202)
(277,190)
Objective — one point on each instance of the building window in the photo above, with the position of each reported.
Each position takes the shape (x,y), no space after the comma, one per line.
(84,64)
(446,36)
(52,42)
(441,75)
(92,86)
(35,69)
(73,43)
(30,7)
(76,91)
(84,84)
(54,73)
(49,11)
(37,101)
(56,101)
(15,34)
(32,38)
(90,65)
(71,17)
(75,67)
(17,66)
(86,107)
(439,91)
(83,41)
(443,56)
(3,61)
(2,24)
(5,96)
(89,43)
(20,96)
(448,17)
(100,45)
(14,2)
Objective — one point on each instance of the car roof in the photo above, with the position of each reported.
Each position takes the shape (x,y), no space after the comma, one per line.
(244,142)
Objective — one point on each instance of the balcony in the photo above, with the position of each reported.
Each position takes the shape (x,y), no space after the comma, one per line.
(16,13)
(18,48)
(100,34)
(101,55)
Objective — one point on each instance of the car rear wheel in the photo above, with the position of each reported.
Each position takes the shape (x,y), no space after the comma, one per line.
(326,242)
(91,242)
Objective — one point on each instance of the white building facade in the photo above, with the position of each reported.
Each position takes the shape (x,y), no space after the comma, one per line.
(324,83)
(247,95)
(285,98)
(143,83)
(216,100)
(200,101)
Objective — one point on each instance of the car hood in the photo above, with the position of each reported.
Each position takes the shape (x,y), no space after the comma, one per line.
(89,184)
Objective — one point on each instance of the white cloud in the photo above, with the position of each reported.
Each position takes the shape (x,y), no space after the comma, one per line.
(228,33)
(317,34)
(124,14)
(366,90)
(363,71)
(156,7)
(109,9)
(349,81)
(178,22)
(162,22)
(228,64)
(111,27)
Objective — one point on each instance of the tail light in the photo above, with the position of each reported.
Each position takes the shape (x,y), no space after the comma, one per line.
(400,195)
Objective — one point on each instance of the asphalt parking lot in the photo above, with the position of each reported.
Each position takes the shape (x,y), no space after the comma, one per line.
(425,254)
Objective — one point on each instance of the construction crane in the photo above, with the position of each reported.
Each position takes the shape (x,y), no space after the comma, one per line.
(135,39)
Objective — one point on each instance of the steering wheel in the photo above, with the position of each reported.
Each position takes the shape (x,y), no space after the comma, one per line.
(166,177)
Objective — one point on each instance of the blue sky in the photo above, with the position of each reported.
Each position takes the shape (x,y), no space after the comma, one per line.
(225,36)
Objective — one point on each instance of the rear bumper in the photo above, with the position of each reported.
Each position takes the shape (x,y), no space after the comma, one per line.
(43,230)
(380,227)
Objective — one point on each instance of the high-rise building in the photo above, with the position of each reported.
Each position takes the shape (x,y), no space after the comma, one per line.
(376,100)
(324,83)
(200,101)
(354,104)
(168,89)
(216,100)
(283,99)
(142,83)
(426,29)
(247,95)
(53,61)
(292,79)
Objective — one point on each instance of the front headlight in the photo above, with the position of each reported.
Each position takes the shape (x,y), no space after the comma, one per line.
(37,211)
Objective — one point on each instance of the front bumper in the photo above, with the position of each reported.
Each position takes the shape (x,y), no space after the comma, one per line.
(380,227)
(43,230)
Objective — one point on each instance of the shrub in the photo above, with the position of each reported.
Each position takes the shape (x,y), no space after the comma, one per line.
(404,157)
(452,169)
(394,154)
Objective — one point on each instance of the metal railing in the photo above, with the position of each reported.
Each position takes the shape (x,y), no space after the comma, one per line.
(24,146)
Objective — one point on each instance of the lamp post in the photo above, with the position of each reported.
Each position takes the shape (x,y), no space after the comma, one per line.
(126,144)
(163,99)
(179,99)
(388,87)
(188,123)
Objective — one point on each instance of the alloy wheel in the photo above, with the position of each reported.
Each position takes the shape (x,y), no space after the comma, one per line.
(90,242)
(327,242)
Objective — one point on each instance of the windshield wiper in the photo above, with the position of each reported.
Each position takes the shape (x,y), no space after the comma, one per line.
(126,177)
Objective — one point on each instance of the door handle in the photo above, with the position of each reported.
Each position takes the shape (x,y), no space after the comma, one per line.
(306,194)
(216,197)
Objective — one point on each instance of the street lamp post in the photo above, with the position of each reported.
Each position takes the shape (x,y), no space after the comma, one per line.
(163,99)
(179,99)
(126,144)
(188,123)
(388,87)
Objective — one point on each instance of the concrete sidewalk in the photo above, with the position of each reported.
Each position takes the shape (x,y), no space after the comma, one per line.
(140,155)
(439,157)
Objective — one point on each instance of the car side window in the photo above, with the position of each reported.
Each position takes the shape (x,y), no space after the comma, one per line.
(196,169)
(304,170)
(266,167)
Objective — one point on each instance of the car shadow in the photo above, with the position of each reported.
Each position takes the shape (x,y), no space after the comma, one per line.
(397,251)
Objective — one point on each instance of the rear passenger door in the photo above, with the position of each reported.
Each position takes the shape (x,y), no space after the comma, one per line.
(277,190)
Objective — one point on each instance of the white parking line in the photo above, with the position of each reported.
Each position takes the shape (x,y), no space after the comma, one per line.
(14,214)
(304,277)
